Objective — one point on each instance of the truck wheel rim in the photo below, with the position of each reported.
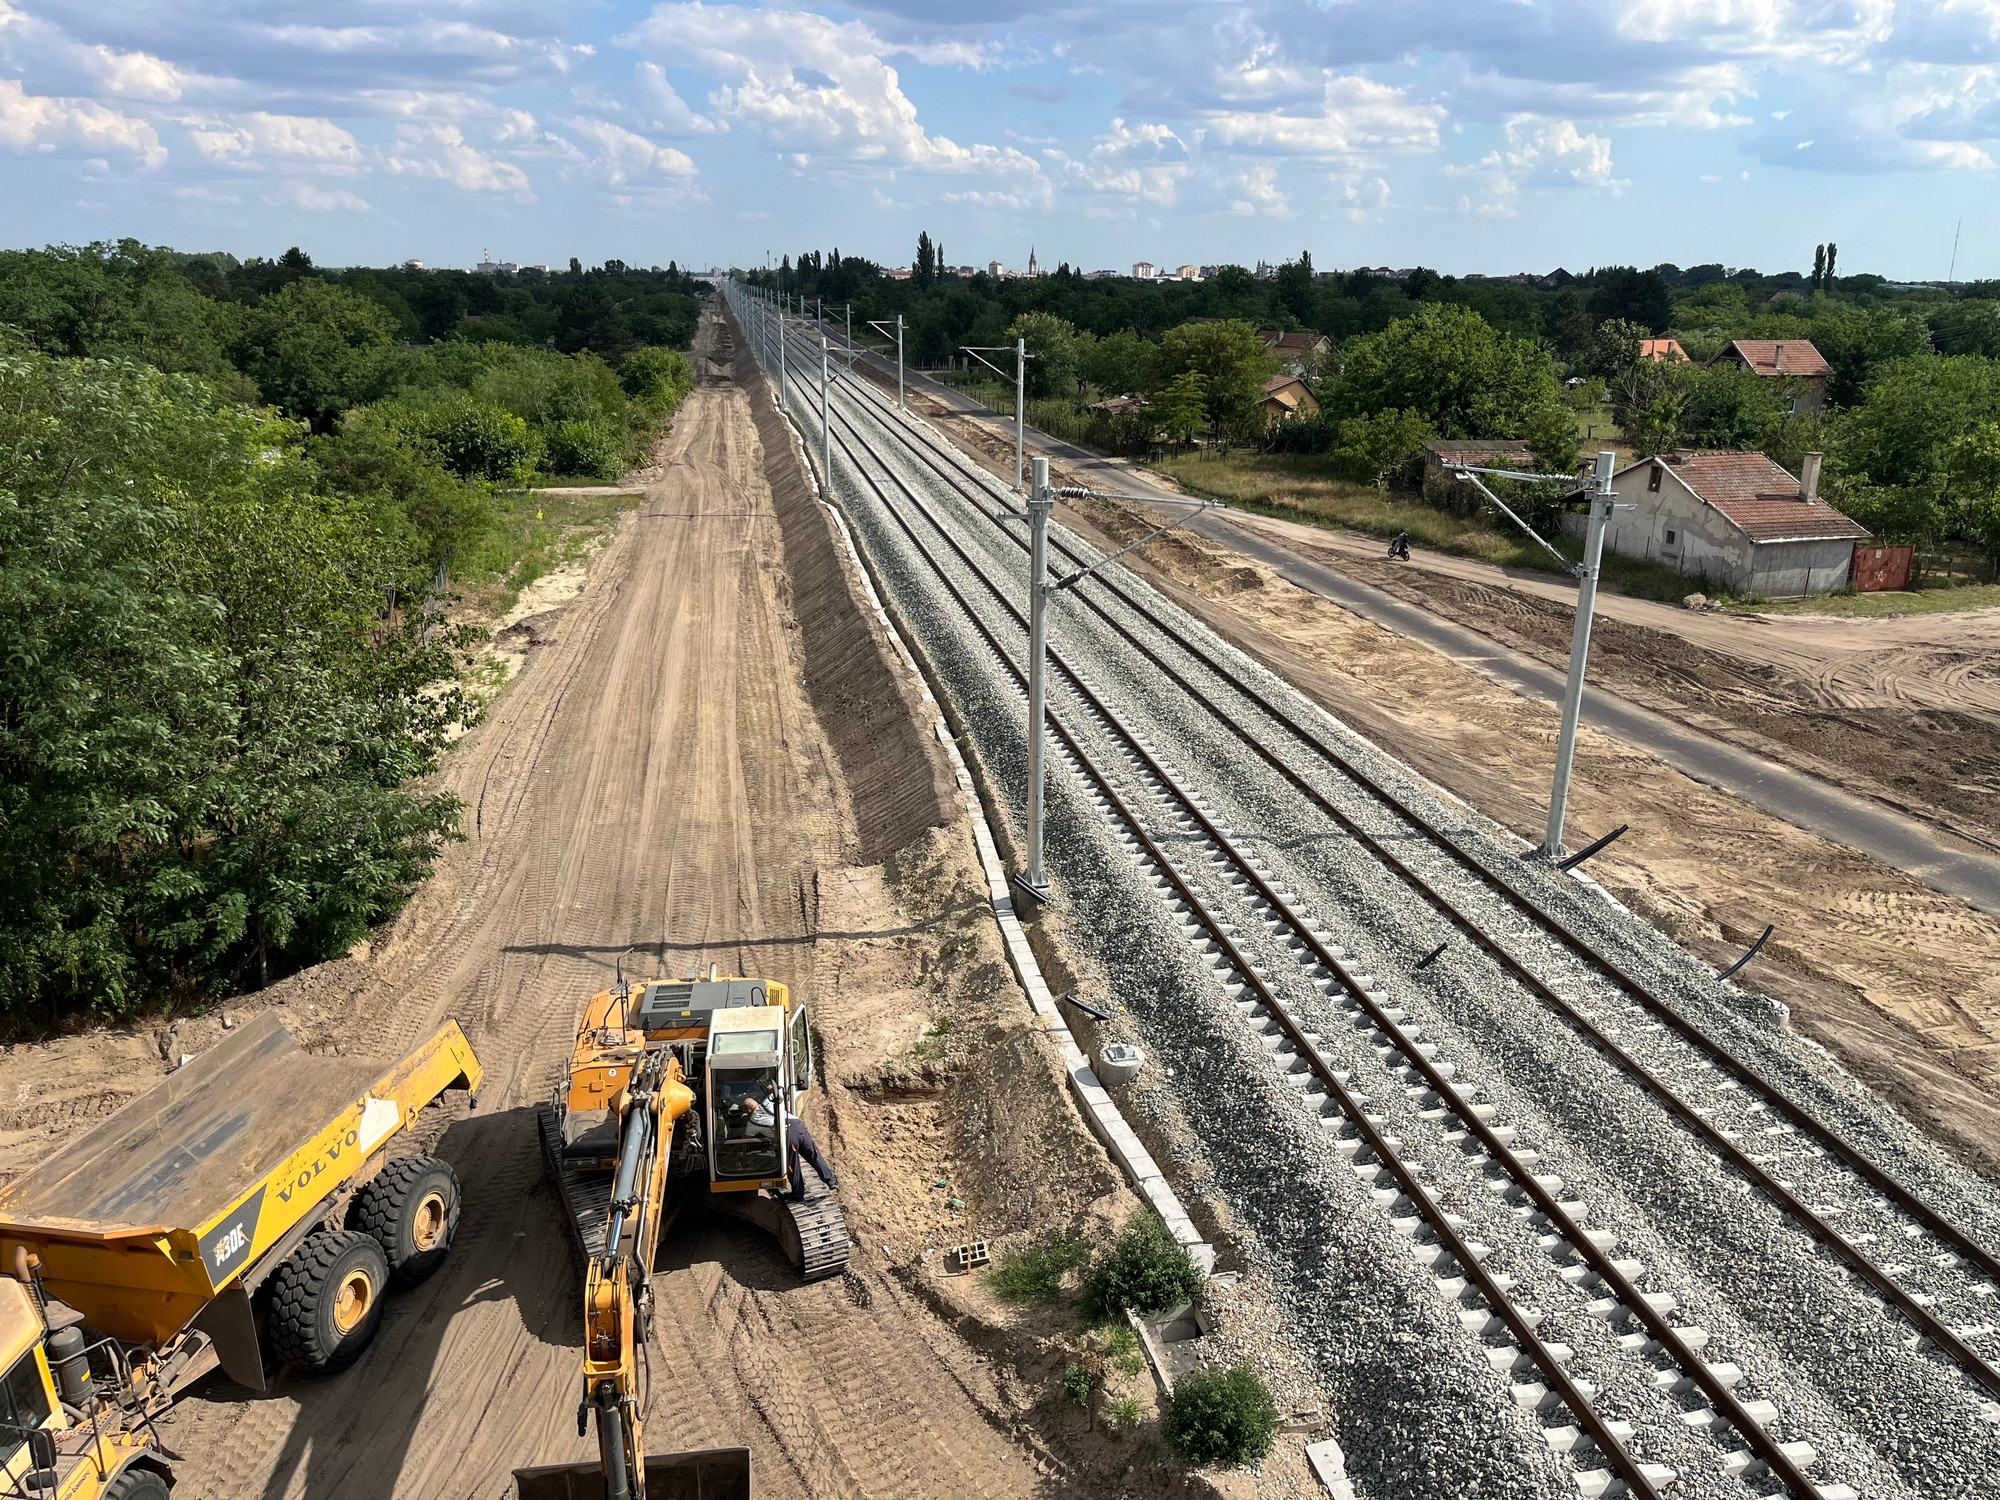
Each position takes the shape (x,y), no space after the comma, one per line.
(352,1301)
(428,1223)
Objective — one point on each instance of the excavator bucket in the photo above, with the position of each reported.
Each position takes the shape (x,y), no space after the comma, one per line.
(705,1474)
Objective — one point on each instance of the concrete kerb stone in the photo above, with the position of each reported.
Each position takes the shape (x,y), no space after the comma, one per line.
(1096,1105)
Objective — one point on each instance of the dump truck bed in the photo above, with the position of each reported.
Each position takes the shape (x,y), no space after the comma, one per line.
(147,1216)
(182,1152)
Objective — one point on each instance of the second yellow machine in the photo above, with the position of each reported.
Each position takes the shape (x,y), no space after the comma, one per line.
(678,1091)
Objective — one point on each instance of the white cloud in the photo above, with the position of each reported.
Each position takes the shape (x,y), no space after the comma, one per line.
(624,157)
(665,111)
(441,151)
(35,122)
(815,89)
(1365,197)
(1256,191)
(250,139)
(1544,150)
(1142,164)
(300,192)
(1354,116)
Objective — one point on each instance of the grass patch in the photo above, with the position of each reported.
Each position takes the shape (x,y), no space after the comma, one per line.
(1304,487)
(1035,1272)
(1928,600)
(531,536)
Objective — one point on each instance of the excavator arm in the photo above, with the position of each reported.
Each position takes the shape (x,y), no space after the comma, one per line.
(616,1303)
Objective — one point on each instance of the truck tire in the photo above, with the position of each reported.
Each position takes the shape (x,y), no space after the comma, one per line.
(136,1483)
(411,1211)
(326,1300)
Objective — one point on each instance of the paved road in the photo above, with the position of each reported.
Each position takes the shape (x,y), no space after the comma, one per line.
(1879,832)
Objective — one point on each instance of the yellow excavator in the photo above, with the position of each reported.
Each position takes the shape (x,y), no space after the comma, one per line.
(678,1093)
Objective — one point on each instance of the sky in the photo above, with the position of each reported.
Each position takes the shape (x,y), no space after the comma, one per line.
(1494,137)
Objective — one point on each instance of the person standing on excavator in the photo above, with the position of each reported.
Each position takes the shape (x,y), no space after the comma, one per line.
(802,1148)
(759,1110)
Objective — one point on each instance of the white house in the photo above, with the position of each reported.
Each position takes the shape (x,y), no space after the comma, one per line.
(1144,270)
(1737,519)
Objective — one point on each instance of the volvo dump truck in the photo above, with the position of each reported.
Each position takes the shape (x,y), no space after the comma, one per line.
(677,1094)
(247,1202)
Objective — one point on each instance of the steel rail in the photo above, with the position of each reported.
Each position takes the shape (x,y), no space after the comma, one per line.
(1904,1198)
(1772,1453)
(1518,1324)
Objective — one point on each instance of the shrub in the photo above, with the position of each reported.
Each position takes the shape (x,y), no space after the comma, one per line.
(1078,1383)
(588,449)
(1221,1416)
(658,376)
(482,442)
(1034,1273)
(1144,1271)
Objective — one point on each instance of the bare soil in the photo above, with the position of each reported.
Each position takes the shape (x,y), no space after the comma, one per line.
(1905,711)
(704,757)
(1899,982)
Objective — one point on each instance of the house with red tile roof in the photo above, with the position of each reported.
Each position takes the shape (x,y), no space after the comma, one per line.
(1735,520)
(1792,360)
(1299,351)
(1663,351)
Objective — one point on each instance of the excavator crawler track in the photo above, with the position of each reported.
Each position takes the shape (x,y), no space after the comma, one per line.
(816,1236)
(586,1196)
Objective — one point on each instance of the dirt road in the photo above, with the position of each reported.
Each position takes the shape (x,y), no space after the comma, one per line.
(1948,660)
(1910,719)
(660,776)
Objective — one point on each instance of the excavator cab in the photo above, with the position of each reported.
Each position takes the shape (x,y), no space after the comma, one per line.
(748,1094)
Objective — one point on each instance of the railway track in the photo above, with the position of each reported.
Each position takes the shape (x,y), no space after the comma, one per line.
(952,468)
(1216,888)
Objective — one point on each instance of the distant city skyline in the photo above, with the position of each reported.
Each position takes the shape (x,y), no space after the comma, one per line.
(1490,140)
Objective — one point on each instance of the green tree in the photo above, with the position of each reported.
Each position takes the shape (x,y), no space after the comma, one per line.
(590,318)
(209,710)
(1054,355)
(1567,324)
(1233,364)
(1915,413)
(1120,363)
(1295,288)
(1731,407)
(1640,297)
(1613,347)
(1449,366)
(122,300)
(1968,327)
(1857,341)
(1552,438)
(316,349)
(404,486)
(659,377)
(1181,410)
(1384,449)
